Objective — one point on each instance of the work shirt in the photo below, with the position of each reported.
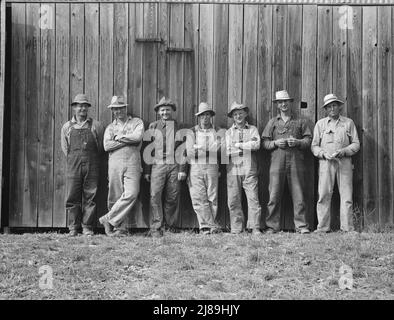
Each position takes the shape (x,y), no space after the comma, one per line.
(128,136)
(277,128)
(249,139)
(284,158)
(96,128)
(330,135)
(209,144)
(163,135)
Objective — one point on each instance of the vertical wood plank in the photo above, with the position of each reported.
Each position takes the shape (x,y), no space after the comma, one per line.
(392,118)
(339,57)
(309,47)
(18,120)
(92,57)
(220,75)
(61,110)
(2,83)
(121,49)
(206,54)
(385,114)
(235,54)
(190,102)
(46,119)
(149,85)
(354,105)
(77,50)
(30,196)
(176,40)
(106,61)
(369,90)
(220,95)
(279,67)
(136,13)
(264,98)
(324,56)
(190,78)
(149,80)
(249,74)
(162,60)
(294,56)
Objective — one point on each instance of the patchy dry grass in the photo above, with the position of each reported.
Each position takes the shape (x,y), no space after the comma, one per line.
(193,266)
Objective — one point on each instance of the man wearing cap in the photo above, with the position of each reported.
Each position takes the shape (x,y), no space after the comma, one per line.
(164,173)
(122,140)
(287,138)
(81,141)
(242,142)
(202,149)
(335,141)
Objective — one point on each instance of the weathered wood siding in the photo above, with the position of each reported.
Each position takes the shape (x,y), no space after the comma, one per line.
(240,52)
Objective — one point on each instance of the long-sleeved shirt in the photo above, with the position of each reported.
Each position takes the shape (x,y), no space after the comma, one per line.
(277,128)
(241,144)
(162,136)
(208,143)
(331,135)
(96,128)
(118,135)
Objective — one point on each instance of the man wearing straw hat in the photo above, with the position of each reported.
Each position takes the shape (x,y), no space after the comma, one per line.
(242,141)
(335,141)
(122,140)
(81,141)
(163,173)
(287,138)
(202,154)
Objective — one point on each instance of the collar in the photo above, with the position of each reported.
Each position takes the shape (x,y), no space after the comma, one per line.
(245,127)
(198,127)
(128,118)
(74,119)
(278,117)
(339,119)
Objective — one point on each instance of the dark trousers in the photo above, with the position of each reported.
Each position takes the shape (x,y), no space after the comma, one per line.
(82,183)
(286,166)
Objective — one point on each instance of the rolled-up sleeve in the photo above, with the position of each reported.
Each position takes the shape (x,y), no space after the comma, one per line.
(305,142)
(354,145)
(268,142)
(64,139)
(109,143)
(315,146)
(254,142)
(135,135)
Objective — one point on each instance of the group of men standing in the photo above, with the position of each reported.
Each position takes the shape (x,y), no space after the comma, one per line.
(166,163)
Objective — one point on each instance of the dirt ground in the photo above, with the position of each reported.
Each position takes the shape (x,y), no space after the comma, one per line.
(189,266)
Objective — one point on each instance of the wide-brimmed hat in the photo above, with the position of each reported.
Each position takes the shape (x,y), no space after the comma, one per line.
(117,102)
(81,98)
(204,107)
(282,95)
(331,98)
(165,102)
(236,106)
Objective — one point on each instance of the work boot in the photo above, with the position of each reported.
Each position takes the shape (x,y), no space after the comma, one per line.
(87,232)
(257,232)
(73,233)
(304,231)
(107,226)
(119,233)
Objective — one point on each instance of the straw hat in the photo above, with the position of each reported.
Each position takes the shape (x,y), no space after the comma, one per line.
(165,102)
(282,95)
(236,106)
(81,98)
(117,102)
(204,107)
(331,98)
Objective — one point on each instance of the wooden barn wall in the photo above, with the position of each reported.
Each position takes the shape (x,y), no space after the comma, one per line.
(238,52)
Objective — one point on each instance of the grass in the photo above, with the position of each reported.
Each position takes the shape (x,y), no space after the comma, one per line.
(192,266)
